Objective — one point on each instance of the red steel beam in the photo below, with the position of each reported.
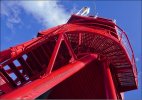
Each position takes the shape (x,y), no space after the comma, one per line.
(40,86)
(4,55)
(110,88)
(69,47)
(54,54)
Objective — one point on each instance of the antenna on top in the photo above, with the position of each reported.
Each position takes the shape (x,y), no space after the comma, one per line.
(84,11)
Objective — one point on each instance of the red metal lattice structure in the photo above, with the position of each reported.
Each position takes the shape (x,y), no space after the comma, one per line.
(88,57)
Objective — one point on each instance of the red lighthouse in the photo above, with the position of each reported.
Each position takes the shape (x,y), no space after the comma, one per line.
(87,58)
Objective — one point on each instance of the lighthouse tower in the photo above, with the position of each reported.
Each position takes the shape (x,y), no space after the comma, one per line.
(89,57)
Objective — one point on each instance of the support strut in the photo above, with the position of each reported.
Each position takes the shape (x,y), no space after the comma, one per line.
(40,86)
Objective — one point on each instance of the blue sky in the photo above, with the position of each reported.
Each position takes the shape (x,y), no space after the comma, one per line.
(22,20)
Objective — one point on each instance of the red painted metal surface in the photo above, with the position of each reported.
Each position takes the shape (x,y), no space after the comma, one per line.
(92,81)
(38,87)
(59,49)
(54,54)
(109,84)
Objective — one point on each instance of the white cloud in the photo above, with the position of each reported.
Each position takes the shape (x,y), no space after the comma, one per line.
(48,13)
(137,59)
(11,12)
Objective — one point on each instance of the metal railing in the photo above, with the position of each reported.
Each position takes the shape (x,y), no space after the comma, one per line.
(123,38)
(124,41)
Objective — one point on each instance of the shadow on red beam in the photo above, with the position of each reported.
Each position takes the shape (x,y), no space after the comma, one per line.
(39,86)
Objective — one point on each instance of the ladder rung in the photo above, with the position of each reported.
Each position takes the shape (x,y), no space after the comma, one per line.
(33,61)
(46,48)
(45,53)
(42,57)
(17,73)
(8,78)
(25,66)
(38,58)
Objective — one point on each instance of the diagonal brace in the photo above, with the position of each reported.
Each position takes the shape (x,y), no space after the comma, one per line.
(54,54)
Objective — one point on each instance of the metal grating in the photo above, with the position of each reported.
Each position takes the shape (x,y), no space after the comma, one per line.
(94,43)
